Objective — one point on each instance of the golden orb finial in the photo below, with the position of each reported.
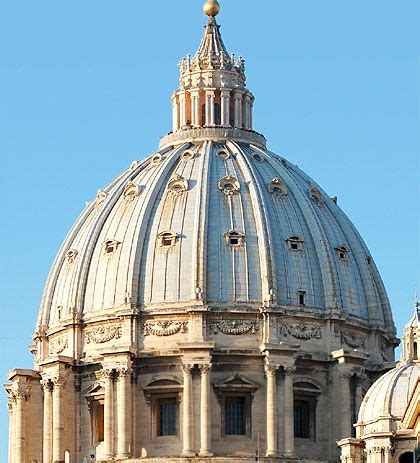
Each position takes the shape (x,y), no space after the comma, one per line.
(211,8)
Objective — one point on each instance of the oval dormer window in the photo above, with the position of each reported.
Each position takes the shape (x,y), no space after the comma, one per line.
(229,185)
(277,188)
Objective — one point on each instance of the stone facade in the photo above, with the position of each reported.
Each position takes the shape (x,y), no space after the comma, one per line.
(212,303)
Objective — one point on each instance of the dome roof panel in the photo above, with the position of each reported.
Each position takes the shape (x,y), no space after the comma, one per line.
(169,193)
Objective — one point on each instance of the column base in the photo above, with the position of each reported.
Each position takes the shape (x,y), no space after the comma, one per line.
(123,456)
(272,454)
(187,453)
(205,453)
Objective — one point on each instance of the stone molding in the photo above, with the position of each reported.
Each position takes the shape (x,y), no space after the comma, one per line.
(234,327)
(103,334)
(301,331)
(58,345)
(164,328)
(353,340)
(213,133)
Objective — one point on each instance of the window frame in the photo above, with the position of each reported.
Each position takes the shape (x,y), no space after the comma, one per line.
(305,391)
(246,396)
(159,389)
(239,387)
(158,401)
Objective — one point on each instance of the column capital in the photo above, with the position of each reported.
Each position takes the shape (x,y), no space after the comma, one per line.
(105,373)
(123,372)
(20,393)
(187,367)
(205,368)
(58,382)
(225,92)
(47,384)
(270,367)
(289,370)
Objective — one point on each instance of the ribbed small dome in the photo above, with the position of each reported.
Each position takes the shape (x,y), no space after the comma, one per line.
(159,234)
(388,397)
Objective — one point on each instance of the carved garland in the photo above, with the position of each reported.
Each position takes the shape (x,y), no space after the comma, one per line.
(103,334)
(58,345)
(234,327)
(164,328)
(300,331)
(353,340)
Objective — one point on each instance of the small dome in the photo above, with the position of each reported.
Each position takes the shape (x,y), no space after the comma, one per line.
(385,402)
(388,397)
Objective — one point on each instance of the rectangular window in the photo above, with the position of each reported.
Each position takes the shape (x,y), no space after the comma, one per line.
(235,419)
(301,410)
(167,417)
(302,297)
(100,423)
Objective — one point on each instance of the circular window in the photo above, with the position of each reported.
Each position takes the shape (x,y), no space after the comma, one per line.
(257,158)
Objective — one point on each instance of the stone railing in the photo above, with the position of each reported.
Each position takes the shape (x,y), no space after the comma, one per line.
(212,133)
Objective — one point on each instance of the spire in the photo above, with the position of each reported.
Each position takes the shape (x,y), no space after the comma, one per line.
(411,337)
(212,50)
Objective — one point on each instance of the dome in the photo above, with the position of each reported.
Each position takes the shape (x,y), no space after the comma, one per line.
(296,247)
(388,397)
(384,404)
(206,297)
(214,218)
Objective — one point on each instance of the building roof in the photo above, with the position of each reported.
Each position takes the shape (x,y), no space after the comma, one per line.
(214,218)
(296,240)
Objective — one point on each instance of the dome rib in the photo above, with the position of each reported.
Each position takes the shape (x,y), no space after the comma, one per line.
(269,280)
(202,267)
(316,230)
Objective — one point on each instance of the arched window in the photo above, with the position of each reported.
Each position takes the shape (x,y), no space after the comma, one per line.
(406,457)
(203,114)
(217,114)
(67,457)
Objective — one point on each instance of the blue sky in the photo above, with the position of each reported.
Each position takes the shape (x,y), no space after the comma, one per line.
(85,89)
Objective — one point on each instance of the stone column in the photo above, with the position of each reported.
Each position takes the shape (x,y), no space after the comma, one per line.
(124,413)
(58,421)
(388,455)
(10,407)
(212,108)
(205,412)
(186,411)
(47,425)
(288,413)
(346,415)
(247,114)
(238,109)
(19,424)
(359,393)
(225,107)
(182,111)
(270,371)
(251,113)
(175,113)
(108,376)
(208,107)
(195,109)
